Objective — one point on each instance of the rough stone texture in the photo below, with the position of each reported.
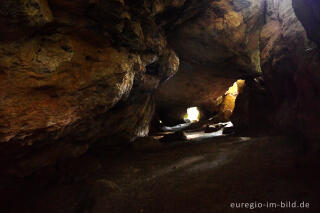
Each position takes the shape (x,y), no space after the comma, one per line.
(189,88)
(227,101)
(74,73)
(223,39)
(216,47)
(252,113)
(290,72)
(45,90)
(285,102)
(22,17)
(308,12)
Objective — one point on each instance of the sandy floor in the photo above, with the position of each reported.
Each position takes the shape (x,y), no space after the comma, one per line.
(198,177)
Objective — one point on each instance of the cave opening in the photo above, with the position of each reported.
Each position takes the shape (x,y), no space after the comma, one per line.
(192,115)
(197,123)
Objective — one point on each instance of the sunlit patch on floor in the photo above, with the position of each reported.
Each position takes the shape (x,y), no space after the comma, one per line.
(176,127)
(192,132)
(200,135)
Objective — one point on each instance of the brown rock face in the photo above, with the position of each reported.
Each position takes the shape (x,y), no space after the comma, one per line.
(72,73)
(216,47)
(189,88)
(223,39)
(22,17)
(44,90)
(83,73)
(308,12)
(252,114)
(285,101)
(227,105)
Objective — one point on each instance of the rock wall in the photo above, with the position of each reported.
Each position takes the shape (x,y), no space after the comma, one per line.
(189,88)
(308,12)
(216,48)
(223,39)
(77,72)
(285,100)
(83,73)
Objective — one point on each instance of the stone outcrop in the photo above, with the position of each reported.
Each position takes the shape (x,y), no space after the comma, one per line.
(189,88)
(252,114)
(226,103)
(223,39)
(216,48)
(75,73)
(80,74)
(284,102)
(308,12)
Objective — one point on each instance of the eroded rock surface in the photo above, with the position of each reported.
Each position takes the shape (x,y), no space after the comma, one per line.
(73,73)
(78,73)
(223,39)
(308,12)
(216,48)
(189,88)
(285,101)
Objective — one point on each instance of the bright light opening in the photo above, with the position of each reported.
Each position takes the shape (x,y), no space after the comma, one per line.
(193,115)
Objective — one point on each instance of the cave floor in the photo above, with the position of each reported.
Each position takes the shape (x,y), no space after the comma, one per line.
(184,177)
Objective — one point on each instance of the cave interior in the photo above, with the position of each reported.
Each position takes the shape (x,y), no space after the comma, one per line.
(164,106)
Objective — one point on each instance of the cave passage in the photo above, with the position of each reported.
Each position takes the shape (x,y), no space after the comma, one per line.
(159,106)
(199,125)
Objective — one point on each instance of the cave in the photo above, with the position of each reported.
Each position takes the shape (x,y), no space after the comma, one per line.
(164,106)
